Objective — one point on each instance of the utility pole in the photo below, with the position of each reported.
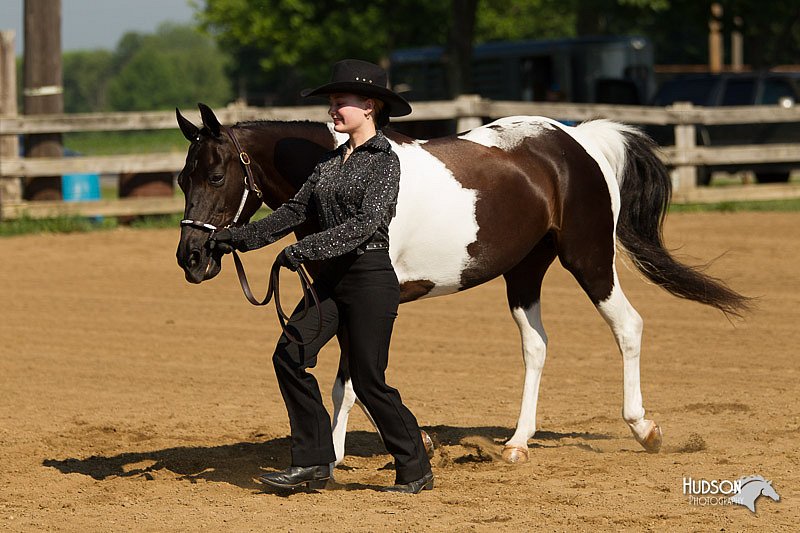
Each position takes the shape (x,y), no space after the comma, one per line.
(715,46)
(737,45)
(43,92)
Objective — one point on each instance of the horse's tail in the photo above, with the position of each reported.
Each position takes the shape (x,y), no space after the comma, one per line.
(645,193)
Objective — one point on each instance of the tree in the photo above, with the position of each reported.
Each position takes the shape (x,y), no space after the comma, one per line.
(679,28)
(771,30)
(510,20)
(282,46)
(86,76)
(459,46)
(176,66)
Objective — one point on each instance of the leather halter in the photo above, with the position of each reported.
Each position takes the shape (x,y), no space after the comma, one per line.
(249,185)
(273,288)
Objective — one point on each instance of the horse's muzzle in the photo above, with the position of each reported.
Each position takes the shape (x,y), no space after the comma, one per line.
(197,261)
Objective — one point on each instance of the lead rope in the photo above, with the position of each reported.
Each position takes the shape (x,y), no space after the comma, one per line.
(273,291)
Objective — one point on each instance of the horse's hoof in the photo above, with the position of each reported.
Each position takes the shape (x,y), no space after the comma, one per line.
(515,454)
(652,442)
(427,441)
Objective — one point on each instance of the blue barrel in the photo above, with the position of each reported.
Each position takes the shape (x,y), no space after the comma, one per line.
(80,187)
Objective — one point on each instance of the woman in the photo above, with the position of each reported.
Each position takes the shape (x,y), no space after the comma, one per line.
(352,194)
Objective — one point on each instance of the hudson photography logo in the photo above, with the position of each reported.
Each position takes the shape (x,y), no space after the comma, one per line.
(743,491)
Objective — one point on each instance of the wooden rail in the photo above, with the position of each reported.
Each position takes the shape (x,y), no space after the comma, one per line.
(467,111)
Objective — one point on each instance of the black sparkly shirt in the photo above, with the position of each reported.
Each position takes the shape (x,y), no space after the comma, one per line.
(353,200)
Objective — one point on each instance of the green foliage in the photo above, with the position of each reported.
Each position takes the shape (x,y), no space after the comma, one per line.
(655,5)
(523,19)
(86,75)
(176,66)
(282,46)
(771,30)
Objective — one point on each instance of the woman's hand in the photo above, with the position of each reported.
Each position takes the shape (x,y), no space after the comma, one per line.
(284,261)
(222,241)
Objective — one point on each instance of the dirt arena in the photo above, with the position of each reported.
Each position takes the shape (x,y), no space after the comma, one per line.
(131,400)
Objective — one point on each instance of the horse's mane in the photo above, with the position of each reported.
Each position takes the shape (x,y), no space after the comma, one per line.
(748,479)
(265,124)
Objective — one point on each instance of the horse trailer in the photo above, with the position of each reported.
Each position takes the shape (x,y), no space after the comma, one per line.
(606,69)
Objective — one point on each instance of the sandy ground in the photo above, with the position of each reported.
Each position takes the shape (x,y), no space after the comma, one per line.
(131,400)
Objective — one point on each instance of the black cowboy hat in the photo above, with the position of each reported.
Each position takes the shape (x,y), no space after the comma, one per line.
(364,79)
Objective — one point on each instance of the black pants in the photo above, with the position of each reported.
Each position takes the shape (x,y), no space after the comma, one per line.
(360,295)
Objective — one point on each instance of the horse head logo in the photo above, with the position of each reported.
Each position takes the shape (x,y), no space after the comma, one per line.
(751,488)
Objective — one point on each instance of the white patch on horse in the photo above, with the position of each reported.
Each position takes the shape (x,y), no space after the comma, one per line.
(435,221)
(506,133)
(603,141)
(338,138)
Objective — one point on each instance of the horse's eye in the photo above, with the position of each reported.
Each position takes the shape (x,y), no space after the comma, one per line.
(216,179)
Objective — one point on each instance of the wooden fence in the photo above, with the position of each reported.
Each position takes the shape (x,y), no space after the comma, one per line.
(468,111)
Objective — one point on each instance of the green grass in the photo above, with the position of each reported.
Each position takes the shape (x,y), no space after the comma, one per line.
(125,142)
(734,207)
(66,224)
(76,224)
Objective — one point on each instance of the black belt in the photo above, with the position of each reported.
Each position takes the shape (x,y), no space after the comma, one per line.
(370,246)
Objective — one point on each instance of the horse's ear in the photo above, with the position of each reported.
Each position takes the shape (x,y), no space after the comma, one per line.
(210,119)
(190,131)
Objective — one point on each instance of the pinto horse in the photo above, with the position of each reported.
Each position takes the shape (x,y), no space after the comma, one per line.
(504,199)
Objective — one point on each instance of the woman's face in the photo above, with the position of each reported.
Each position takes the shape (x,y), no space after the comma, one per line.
(349,111)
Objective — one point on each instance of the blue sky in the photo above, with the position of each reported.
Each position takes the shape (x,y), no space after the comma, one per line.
(92,24)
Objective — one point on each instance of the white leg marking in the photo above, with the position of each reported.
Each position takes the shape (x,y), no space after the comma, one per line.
(343,399)
(627,325)
(534,349)
(369,416)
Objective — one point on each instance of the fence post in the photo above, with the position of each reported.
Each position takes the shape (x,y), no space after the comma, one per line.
(43,89)
(10,187)
(685,176)
(467,106)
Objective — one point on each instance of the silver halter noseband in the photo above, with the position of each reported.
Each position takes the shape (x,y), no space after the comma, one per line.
(249,185)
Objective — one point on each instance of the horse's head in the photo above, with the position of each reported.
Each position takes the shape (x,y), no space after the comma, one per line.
(213,182)
(769,491)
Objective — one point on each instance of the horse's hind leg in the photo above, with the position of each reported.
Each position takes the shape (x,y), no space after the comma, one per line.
(344,397)
(523,290)
(590,256)
(626,324)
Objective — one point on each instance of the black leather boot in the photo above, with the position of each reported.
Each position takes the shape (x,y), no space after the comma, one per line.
(415,487)
(313,477)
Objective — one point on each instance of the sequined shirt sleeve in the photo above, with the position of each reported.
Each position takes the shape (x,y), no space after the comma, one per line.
(354,201)
(280,222)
